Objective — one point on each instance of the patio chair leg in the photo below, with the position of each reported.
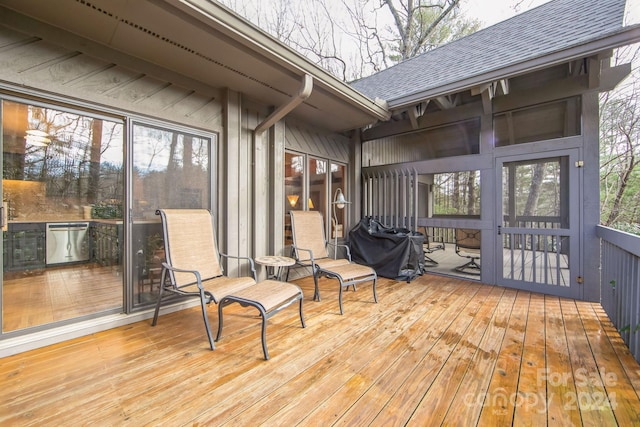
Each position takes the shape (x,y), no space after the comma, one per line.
(206,319)
(163,276)
(316,292)
(220,305)
(430,262)
(264,335)
(301,314)
(375,295)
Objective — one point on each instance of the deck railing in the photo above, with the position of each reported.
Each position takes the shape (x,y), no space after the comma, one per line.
(620,283)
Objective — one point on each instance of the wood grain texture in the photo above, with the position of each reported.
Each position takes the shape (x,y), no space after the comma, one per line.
(436,351)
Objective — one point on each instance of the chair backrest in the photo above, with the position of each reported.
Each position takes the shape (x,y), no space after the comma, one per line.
(307,230)
(190,244)
(468,238)
(423,230)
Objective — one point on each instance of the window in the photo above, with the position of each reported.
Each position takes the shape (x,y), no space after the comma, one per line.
(557,119)
(171,169)
(63,193)
(457,193)
(310,184)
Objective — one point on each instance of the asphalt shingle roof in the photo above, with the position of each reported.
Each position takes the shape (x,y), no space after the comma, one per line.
(548,28)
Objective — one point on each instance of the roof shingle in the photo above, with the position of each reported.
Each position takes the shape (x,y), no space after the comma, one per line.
(548,28)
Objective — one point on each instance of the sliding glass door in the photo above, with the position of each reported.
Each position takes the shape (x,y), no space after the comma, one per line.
(171,169)
(80,237)
(62,214)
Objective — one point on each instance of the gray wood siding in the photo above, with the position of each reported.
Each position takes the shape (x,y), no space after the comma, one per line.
(317,143)
(42,67)
(389,150)
(33,62)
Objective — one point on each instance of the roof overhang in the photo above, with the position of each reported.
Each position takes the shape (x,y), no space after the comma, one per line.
(206,42)
(626,36)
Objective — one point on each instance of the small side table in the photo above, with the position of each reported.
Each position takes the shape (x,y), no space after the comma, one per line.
(275,265)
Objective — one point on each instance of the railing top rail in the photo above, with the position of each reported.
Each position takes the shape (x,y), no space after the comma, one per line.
(627,241)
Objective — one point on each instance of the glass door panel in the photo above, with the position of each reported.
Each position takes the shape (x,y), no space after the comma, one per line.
(62,191)
(339,213)
(171,169)
(294,171)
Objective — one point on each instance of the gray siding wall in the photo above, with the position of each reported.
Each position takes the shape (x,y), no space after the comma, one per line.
(103,77)
(317,142)
(43,61)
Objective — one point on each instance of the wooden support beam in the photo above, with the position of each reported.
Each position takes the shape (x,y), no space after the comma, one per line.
(593,67)
(415,112)
(444,102)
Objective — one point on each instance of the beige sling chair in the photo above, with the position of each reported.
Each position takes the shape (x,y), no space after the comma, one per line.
(193,268)
(310,250)
(431,244)
(468,246)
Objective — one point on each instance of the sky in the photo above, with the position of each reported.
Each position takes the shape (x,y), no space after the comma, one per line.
(490,12)
(493,11)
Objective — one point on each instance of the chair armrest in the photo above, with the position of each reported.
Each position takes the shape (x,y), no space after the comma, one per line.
(335,250)
(295,250)
(198,281)
(246,258)
(182,270)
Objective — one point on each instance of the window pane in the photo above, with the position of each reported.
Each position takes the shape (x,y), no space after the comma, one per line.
(293,189)
(171,169)
(317,185)
(547,121)
(457,193)
(533,193)
(63,187)
(338,181)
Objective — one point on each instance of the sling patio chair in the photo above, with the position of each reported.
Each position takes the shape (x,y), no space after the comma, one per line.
(431,244)
(468,246)
(193,268)
(310,249)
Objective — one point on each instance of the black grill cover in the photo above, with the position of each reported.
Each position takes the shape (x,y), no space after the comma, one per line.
(395,253)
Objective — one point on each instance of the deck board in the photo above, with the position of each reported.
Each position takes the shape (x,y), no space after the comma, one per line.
(437,350)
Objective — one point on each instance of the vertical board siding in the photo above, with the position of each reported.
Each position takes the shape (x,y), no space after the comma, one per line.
(317,143)
(620,295)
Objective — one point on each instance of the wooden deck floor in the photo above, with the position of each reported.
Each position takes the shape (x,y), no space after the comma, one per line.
(435,351)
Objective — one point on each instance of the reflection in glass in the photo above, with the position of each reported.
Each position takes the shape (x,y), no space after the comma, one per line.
(62,190)
(338,181)
(318,185)
(171,169)
(293,189)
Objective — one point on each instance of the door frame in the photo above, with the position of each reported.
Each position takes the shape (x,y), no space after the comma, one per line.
(573,232)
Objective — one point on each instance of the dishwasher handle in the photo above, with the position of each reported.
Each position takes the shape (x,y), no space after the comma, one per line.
(67,227)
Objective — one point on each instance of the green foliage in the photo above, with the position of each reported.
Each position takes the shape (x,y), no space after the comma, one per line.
(632,228)
(415,32)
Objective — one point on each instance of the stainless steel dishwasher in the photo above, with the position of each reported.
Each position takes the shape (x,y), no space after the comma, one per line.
(67,242)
